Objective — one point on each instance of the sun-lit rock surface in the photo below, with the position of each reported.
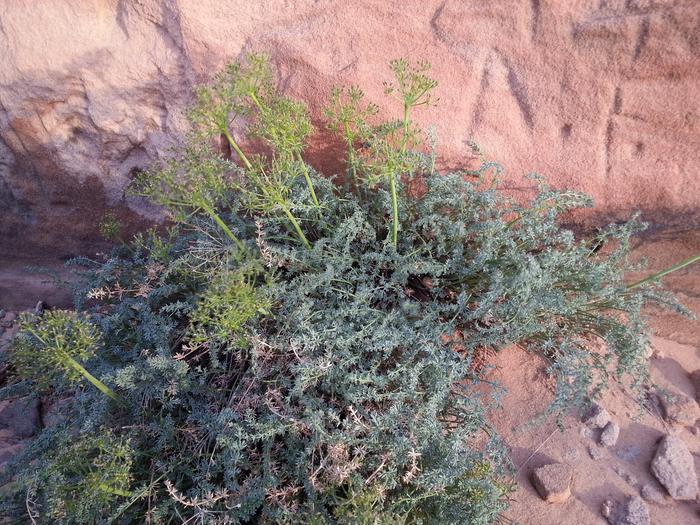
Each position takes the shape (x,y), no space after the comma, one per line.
(599,96)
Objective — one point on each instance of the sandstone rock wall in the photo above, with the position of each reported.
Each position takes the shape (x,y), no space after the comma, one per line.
(601,96)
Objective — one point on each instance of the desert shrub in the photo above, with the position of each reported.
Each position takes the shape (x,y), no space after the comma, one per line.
(294,352)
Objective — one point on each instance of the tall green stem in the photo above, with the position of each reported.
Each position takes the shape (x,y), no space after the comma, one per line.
(394,210)
(308,178)
(87,375)
(351,158)
(663,273)
(238,150)
(297,228)
(392,180)
(210,211)
(406,113)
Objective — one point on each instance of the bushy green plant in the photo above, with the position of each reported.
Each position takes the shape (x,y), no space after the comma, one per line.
(81,479)
(50,349)
(293,353)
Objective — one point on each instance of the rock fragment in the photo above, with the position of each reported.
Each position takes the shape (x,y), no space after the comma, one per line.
(695,378)
(608,438)
(586,432)
(553,482)
(597,417)
(653,495)
(596,452)
(680,408)
(674,468)
(8,319)
(632,512)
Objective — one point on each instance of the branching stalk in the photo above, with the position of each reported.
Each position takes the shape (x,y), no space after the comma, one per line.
(308,179)
(663,273)
(87,375)
(394,209)
(297,227)
(238,150)
(210,211)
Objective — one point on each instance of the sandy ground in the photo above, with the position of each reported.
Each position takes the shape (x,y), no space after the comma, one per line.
(624,469)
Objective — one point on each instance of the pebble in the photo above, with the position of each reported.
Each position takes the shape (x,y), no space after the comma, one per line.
(597,417)
(553,482)
(586,432)
(606,508)
(596,452)
(632,512)
(608,438)
(680,408)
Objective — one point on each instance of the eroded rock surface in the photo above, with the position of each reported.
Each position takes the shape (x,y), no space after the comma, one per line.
(553,482)
(597,96)
(631,512)
(673,466)
(679,408)
(597,417)
(610,434)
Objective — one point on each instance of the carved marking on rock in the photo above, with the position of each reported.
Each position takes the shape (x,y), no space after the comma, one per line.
(642,37)
(610,129)
(535,18)
(520,93)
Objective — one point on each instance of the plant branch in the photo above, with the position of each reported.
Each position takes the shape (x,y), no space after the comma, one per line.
(663,273)
(87,375)
(297,227)
(308,179)
(238,150)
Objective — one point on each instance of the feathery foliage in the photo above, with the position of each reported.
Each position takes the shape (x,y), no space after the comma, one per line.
(291,353)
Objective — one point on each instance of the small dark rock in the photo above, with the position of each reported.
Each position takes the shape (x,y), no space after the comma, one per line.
(695,378)
(8,320)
